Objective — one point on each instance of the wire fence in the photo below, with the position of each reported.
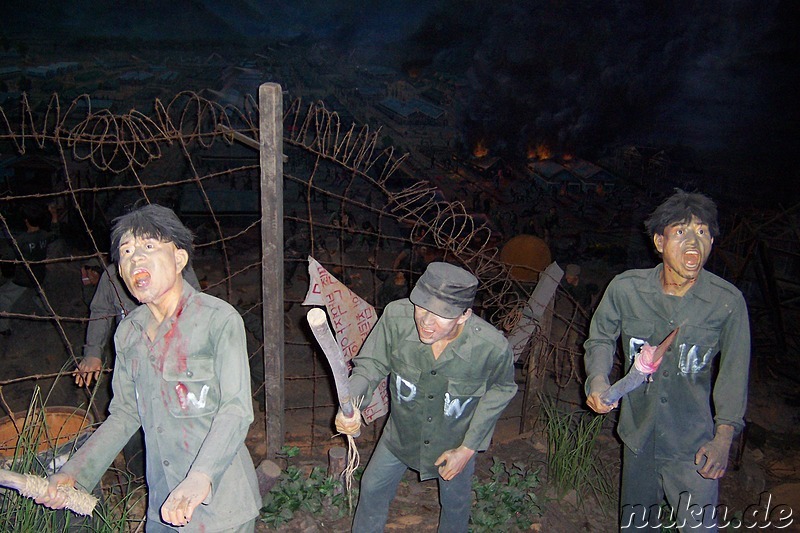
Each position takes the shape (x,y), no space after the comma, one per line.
(349,201)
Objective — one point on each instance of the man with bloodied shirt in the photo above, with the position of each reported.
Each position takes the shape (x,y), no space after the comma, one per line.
(181,373)
(451,374)
(677,429)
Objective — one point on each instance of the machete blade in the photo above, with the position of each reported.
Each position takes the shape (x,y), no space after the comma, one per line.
(661,349)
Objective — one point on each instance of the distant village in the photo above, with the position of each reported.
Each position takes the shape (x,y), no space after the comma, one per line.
(418,115)
(588,211)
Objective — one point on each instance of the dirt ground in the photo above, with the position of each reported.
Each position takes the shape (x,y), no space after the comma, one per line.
(416,508)
(764,460)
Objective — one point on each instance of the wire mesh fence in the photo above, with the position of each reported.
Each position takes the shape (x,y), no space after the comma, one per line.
(348,201)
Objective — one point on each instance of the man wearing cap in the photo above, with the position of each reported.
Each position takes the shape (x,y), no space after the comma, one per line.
(451,374)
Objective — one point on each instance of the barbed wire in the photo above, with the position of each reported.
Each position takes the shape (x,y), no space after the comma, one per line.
(116,160)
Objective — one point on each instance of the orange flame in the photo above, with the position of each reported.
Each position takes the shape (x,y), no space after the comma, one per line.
(480,149)
(540,151)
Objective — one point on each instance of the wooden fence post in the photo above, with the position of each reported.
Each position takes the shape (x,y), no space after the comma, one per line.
(270,106)
(535,370)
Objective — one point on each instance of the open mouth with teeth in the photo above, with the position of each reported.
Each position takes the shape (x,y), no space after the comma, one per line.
(425,331)
(141,278)
(691,258)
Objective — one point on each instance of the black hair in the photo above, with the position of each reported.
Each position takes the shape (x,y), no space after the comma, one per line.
(36,214)
(94,268)
(153,221)
(680,208)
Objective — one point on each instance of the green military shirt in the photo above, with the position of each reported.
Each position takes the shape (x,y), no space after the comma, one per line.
(190,391)
(676,406)
(436,404)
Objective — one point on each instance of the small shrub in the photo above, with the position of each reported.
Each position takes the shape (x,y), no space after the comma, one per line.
(507,500)
(316,494)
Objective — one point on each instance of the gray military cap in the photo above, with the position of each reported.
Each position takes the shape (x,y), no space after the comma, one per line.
(445,290)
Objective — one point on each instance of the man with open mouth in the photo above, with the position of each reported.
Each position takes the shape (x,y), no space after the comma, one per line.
(675,446)
(181,373)
(451,374)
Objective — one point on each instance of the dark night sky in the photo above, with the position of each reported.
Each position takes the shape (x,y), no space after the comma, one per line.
(717,77)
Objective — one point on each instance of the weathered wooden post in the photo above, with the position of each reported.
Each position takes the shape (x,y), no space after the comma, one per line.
(337,462)
(535,371)
(270,105)
(531,334)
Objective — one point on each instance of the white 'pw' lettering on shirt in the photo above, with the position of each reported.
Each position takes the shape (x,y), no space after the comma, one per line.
(453,407)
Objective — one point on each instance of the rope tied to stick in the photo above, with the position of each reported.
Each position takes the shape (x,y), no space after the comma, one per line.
(353,459)
(34,486)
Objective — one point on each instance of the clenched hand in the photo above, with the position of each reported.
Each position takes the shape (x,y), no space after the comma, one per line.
(348,426)
(53,498)
(452,462)
(599,386)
